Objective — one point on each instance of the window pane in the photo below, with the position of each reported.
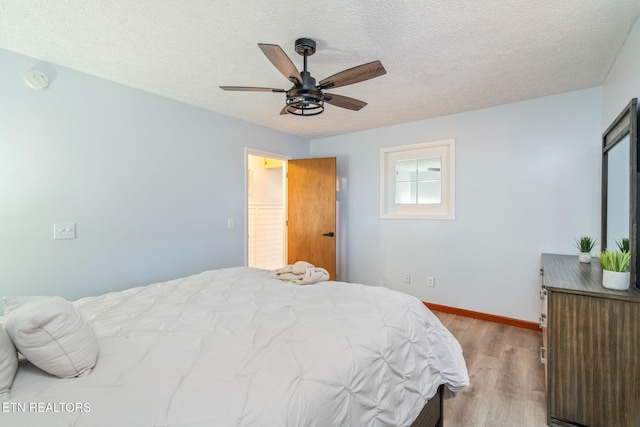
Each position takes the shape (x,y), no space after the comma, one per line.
(406,170)
(429,192)
(405,193)
(429,168)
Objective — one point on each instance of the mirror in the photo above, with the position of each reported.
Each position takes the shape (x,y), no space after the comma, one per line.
(620,185)
(618,192)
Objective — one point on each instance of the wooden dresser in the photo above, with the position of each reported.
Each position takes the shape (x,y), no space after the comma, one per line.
(592,346)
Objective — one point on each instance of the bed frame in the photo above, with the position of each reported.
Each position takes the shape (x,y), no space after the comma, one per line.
(431,415)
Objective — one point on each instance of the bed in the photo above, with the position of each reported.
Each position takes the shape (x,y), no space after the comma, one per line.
(238,347)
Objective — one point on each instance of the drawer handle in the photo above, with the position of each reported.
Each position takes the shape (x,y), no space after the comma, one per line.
(543,354)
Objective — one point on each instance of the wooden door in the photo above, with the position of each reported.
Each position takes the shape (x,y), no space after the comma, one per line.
(311,206)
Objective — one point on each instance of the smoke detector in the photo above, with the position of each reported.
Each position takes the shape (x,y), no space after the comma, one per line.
(36,80)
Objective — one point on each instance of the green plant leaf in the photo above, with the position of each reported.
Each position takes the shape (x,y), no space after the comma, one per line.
(623,244)
(614,260)
(585,243)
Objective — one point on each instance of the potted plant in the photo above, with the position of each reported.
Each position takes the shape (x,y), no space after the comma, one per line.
(585,245)
(614,273)
(623,244)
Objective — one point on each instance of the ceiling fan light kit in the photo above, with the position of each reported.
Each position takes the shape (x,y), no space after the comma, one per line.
(306,98)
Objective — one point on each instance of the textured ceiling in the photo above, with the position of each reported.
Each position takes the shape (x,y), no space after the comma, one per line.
(441,57)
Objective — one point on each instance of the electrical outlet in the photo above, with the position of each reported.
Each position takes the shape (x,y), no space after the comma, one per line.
(64,230)
(431,282)
(407,278)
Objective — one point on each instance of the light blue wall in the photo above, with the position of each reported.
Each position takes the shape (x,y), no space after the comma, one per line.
(623,82)
(527,182)
(149,181)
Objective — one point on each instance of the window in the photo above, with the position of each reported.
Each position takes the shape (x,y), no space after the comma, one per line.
(417,181)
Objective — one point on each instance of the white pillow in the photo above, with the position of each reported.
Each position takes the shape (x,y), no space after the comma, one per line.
(52,334)
(8,364)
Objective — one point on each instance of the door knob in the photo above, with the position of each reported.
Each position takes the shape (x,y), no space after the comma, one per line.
(330,234)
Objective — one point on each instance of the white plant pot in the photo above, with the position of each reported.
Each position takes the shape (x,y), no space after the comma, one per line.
(615,280)
(584,257)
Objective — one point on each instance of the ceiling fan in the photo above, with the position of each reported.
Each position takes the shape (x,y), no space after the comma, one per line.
(306,98)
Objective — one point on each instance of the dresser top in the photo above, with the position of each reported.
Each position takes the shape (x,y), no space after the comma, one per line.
(566,273)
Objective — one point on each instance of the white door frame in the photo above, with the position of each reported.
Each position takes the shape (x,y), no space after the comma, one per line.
(256,152)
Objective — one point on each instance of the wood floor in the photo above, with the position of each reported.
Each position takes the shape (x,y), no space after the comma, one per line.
(507,379)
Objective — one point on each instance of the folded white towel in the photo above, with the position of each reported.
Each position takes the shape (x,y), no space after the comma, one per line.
(300,267)
(302,273)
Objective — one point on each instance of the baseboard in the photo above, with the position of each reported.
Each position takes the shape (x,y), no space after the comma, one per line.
(484,316)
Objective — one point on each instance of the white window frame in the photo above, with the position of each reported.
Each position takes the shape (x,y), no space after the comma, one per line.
(389,209)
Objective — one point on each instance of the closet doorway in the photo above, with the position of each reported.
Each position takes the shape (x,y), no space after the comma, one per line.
(266,211)
(291,211)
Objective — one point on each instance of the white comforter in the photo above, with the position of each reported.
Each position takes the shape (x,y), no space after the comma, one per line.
(237,347)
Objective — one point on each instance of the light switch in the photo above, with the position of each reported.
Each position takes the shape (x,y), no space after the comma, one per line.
(64,230)
(230,223)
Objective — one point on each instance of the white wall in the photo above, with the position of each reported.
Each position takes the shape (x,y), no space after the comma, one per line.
(150,183)
(527,182)
(267,186)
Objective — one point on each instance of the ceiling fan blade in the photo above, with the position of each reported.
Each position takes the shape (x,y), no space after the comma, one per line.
(281,61)
(344,101)
(354,75)
(251,89)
